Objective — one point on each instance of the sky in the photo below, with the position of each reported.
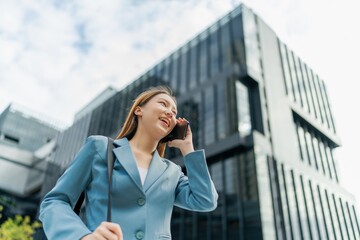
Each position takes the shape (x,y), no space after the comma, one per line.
(56,56)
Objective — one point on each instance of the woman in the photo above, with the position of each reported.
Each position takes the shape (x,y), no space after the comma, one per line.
(145,186)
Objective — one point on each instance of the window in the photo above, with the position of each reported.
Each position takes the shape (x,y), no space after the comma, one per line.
(214,53)
(285,67)
(285,203)
(252,44)
(225,49)
(294,80)
(193,64)
(203,58)
(175,72)
(209,115)
(243,109)
(221,113)
(184,73)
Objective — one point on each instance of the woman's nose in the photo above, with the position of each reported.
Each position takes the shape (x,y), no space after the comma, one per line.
(169,113)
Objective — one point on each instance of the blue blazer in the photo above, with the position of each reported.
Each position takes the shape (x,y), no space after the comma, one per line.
(142,211)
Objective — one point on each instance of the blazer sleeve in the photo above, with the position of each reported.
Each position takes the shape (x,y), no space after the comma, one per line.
(196,191)
(56,210)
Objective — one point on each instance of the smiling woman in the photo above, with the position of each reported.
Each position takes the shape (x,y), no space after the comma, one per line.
(146,186)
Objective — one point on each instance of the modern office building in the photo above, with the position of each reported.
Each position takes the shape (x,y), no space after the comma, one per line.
(265,120)
(27,139)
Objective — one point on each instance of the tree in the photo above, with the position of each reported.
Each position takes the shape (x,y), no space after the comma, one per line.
(17,228)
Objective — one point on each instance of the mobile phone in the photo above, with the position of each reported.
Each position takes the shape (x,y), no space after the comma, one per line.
(179,132)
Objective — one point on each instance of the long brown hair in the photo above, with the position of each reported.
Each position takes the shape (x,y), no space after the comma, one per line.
(130,125)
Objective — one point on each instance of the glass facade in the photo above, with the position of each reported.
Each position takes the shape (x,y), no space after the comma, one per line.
(221,80)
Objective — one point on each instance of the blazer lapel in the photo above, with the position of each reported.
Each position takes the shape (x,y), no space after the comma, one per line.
(125,157)
(156,169)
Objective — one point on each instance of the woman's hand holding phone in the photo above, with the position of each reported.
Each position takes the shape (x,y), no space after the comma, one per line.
(184,145)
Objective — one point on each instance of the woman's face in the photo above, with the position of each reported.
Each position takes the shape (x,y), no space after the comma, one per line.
(158,115)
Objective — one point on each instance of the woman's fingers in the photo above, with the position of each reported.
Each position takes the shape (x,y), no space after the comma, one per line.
(106,231)
(115,228)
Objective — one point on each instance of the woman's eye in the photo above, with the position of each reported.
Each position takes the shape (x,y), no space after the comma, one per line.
(163,103)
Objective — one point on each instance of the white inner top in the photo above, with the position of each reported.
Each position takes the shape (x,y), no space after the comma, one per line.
(143,172)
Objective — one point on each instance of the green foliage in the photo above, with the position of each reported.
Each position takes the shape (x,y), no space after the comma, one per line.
(18,228)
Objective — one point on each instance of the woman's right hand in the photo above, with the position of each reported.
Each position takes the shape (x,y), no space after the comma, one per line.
(105,231)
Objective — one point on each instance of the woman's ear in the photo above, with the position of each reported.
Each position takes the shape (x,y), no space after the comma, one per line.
(138,111)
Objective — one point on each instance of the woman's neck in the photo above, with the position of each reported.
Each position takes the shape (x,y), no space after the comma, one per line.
(143,143)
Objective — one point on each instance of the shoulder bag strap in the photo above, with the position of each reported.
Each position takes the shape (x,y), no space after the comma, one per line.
(110,156)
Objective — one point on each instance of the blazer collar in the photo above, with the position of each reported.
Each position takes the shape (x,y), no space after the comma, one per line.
(156,169)
(126,158)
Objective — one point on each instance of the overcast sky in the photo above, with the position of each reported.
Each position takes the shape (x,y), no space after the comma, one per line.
(55,56)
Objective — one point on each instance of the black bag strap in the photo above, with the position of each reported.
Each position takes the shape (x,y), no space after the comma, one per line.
(110,161)
(79,203)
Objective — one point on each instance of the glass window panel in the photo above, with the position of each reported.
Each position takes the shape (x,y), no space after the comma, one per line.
(294,79)
(323,157)
(352,220)
(203,225)
(251,44)
(203,58)
(302,143)
(327,104)
(238,43)
(318,214)
(307,92)
(292,206)
(266,206)
(232,198)
(187,224)
(243,108)
(214,53)
(197,121)
(217,176)
(175,72)
(339,219)
(209,116)
(326,213)
(310,216)
(301,84)
(231,176)
(304,230)
(221,112)
(332,162)
(193,65)
(335,223)
(324,103)
(346,219)
(285,205)
(167,69)
(286,72)
(217,172)
(159,71)
(310,149)
(327,160)
(321,101)
(318,96)
(356,219)
(225,49)
(314,93)
(317,154)
(184,70)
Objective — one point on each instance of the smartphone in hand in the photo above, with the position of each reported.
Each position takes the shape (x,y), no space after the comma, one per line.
(179,132)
